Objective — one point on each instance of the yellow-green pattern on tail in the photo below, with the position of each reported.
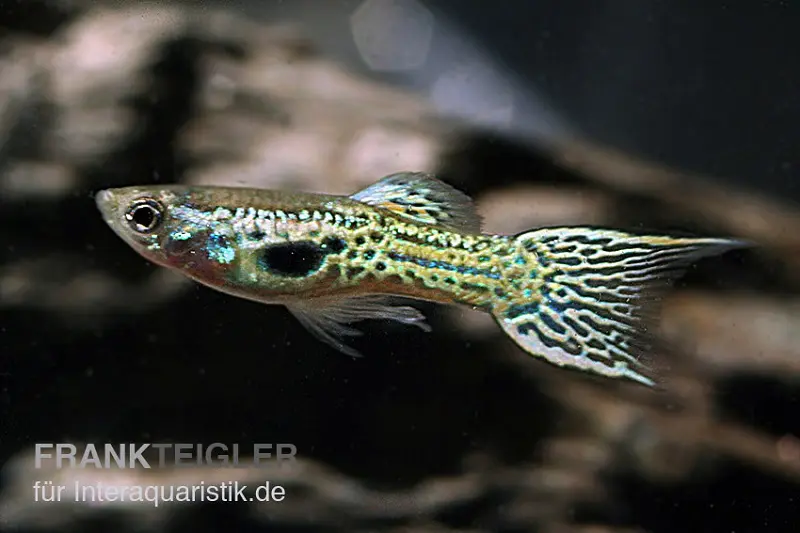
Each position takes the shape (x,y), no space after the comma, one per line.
(591,293)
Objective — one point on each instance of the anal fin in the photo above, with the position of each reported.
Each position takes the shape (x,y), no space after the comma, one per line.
(328,319)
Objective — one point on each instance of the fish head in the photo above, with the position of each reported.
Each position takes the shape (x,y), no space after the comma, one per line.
(149,220)
(136,215)
(210,235)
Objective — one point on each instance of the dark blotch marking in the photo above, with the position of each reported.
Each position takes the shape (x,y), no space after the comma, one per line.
(369,254)
(352,255)
(552,324)
(450,281)
(376,237)
(625,246)
(256,235)
(353,272)
(558,307)
(608,271)
(583,239)
(474,287)
(572,346)
(178,247)
(380,266)
(570,261)
(628,291)
(336,270)
(622,309)
(596,344)
(360,241)
(577,328)
(334,245)
(516,311)
(434,277)
(295,259)
(604,329)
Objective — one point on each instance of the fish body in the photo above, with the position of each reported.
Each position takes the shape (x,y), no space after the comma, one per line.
(577,297)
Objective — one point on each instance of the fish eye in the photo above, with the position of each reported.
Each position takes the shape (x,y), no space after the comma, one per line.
(144,215)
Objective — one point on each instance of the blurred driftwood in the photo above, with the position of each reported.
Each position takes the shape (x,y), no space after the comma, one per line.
(158,93)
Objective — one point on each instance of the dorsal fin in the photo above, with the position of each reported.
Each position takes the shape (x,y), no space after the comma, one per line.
(422,198)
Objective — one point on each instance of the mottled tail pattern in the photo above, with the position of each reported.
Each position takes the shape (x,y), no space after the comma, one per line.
(592,294)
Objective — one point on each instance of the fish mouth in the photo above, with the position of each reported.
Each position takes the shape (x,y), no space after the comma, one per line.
(108,204)
(105,202)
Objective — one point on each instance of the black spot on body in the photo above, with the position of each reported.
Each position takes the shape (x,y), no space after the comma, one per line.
(293,259)
(369,254)
(256,235)
(474,287)
(352,272)
(360,241)
(380,266)
(334,245)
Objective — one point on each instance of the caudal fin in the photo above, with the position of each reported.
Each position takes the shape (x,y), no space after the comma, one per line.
(590,295)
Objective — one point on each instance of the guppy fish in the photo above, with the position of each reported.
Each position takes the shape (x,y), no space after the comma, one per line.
(577,297)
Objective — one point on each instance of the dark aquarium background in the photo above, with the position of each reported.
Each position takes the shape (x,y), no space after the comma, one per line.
(666,116)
